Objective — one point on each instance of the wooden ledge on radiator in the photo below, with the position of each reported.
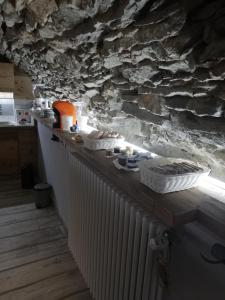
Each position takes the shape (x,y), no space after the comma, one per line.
(173,209)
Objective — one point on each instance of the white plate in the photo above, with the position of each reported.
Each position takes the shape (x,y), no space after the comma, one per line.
(119,167)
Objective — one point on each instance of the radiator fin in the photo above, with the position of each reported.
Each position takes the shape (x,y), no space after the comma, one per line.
(110,238)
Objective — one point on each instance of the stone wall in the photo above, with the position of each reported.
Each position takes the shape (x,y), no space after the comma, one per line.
(152,69)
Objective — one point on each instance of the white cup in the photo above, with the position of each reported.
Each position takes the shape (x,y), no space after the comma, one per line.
(67,122)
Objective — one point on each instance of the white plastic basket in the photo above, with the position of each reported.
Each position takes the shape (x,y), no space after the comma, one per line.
(161,183)
(99,144)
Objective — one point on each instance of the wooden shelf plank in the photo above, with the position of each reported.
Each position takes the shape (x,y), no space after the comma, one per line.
(173,209)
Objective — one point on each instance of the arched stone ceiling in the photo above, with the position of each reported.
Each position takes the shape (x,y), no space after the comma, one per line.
(153,69)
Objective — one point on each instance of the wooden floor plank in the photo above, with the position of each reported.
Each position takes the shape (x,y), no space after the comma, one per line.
(16,209)
(34,272)
(15,201)
(26,215)
(14,192)
(20,198)
(9,183)
(80,296)
(30,254)
(28,226)
(30,239)
(35,262)
(10,177)
(54,288)
(12,187)
(11,192)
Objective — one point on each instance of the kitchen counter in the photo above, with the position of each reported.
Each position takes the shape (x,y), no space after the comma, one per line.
(173,209)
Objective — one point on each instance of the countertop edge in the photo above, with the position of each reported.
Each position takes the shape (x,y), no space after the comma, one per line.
(196,209)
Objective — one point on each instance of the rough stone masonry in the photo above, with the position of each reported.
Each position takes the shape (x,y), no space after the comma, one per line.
(152,69)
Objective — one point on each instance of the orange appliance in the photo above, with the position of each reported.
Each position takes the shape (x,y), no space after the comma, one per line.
(64,111)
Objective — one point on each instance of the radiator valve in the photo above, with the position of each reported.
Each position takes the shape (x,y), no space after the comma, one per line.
(160,242)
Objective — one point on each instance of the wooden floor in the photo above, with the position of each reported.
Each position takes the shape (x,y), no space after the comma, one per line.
(11,192)
(34,259)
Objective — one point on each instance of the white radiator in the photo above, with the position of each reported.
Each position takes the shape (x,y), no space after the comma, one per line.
(110,238)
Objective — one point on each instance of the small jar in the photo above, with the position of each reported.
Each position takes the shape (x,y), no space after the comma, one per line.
(129,151)
(131,163)
(122,159)
(117,150)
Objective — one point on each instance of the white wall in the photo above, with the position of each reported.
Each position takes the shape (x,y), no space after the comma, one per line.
(192,278)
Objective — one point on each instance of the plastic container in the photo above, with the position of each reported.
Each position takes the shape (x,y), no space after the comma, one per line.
(42,195)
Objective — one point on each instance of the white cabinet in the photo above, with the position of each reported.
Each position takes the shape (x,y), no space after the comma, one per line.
(56,167)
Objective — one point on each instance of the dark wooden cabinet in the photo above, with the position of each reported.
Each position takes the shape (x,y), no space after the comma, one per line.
(18,147)
(9,154)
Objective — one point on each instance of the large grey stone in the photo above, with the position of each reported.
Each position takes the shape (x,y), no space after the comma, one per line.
(141,113)
(41,9)
(159,15)
(206,106)
(139,75)
(154,103)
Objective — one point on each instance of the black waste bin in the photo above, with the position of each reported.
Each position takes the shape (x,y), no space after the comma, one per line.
(42,195)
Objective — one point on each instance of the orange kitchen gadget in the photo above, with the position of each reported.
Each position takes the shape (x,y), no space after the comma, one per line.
(63,108)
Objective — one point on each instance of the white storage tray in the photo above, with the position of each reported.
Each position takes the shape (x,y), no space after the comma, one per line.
(98,144)
(162,183)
